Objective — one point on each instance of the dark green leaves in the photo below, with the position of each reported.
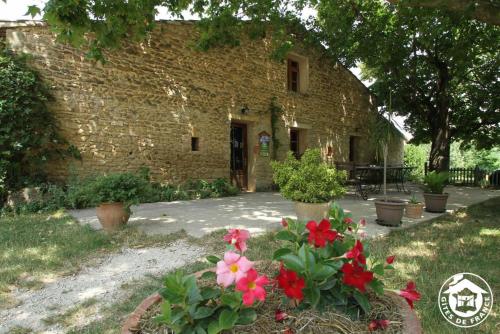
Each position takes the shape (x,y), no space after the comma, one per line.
(293,262)
(213,259)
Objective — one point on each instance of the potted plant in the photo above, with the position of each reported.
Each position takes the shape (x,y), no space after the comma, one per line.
(309,182)
(435,199)
(389,211)
(116,193)
(414,208)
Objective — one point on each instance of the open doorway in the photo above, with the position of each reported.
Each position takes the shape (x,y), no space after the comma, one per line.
(239,155)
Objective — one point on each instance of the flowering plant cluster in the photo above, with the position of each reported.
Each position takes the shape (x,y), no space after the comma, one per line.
(325,264)
(189,308)
(322,265)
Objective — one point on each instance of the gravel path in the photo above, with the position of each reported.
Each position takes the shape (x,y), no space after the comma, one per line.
(102,282)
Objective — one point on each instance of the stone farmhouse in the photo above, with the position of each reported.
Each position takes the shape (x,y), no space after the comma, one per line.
(189,114)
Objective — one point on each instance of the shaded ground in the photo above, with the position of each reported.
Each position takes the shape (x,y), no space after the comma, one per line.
(260,212)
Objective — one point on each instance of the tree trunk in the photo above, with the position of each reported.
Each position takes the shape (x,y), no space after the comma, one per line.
(439,158)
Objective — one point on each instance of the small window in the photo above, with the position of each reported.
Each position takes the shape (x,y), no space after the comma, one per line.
(293,75)
(353,148)
(195,144)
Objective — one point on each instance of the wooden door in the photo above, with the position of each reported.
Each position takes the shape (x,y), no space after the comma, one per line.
(239,155)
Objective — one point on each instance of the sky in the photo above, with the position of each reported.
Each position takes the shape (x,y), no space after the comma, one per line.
(16,9)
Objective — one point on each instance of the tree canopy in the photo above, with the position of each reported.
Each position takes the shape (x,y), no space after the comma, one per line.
(439,63)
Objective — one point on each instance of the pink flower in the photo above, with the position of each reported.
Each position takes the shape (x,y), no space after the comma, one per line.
(363,235)
(348,220)
(280,315)
(252,286)
(237,238)
(232,268)
(362,222)
(284,223)
(378,324)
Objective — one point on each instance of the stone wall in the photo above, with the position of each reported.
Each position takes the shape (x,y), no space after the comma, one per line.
(142,107)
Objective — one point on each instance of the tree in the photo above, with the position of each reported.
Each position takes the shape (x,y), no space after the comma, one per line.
(442,67)
(487,11)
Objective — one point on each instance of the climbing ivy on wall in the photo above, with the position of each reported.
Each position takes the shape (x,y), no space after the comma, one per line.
(28,132)
(276,112)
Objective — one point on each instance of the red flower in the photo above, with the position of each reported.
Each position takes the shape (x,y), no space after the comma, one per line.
(356,276)
(279,315)
(410,293)
(291,283)
(390,259)
(356,253)
(252,286)
(237,238)
(284,223)
(320,234)
(348,220)
(378,324)
(288,330)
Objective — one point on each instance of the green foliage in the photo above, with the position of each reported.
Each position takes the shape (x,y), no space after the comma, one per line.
(133,188)
(309,179)
(416,156)
(435,182)
(28,132)
(276,113)
(321,267)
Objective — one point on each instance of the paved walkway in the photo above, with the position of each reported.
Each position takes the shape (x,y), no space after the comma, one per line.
(260,212)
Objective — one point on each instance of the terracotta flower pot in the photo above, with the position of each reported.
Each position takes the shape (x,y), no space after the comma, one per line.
(414,210)
(390,212)
(435,202)
(112,215)
(311,211)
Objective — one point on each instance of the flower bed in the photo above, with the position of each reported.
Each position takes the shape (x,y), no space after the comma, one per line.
(322,281)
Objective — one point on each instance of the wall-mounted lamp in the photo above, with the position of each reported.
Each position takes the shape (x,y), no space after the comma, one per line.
(245,109)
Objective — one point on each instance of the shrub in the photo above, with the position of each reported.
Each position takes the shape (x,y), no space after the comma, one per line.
(435,182)
(308,180)
(127,188)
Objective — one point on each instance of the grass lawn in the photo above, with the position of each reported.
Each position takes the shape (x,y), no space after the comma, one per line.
(34,248)
(429,253)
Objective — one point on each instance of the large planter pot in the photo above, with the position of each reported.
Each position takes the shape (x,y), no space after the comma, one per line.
(435,202)
(112,215)
(311,211)
(414,210)
(390,212)
(411,323)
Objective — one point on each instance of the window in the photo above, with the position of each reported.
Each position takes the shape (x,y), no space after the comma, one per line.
(294,142)
(293,75)
(297,73)
(195,144)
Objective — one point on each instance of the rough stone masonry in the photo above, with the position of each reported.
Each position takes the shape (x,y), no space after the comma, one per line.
(146,103)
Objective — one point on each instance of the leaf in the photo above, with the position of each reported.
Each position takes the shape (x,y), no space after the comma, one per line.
(33,11)
(280,252)
(227,319)
(293,262)
(233,300)
(213,259)
(378,269)
(362,301)
(208,275)
(329,284)
(199,330)
(313,294)
(247,316)
(377,286)
(203,312)
(166,310)
(213,328)
(209,293)
(285,235)
(323,272)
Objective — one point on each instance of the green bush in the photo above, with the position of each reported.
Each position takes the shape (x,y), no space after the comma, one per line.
(28,132)
(308,180)
(435,182)
(127,188)
(416,156)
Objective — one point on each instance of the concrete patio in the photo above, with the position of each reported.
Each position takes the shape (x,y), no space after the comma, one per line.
(260,212)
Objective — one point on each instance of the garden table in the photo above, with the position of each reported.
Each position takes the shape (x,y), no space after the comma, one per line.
(370,178)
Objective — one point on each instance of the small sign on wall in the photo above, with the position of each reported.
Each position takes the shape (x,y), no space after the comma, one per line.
(264,139)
